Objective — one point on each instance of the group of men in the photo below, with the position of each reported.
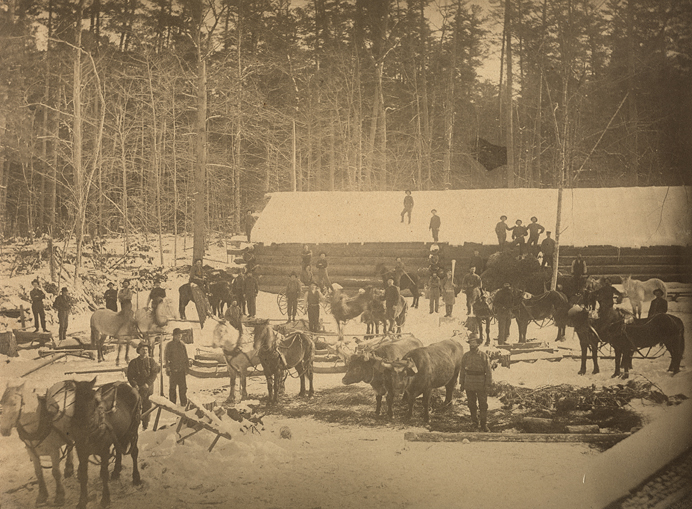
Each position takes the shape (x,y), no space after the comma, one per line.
(244,287)
(61,304)
(519,234)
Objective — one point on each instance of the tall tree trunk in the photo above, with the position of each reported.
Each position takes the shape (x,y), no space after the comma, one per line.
(509,115)
(449,107)
(239,122)
(200,143)
(633,124)
(79,189)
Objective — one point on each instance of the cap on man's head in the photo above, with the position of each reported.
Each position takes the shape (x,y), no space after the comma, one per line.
(110,283)
(64,289)
(534,218)
(503,217)
(506,285)
(177,331)
(126,282)
(473,338)
(34,281)
(434,211)
(548,233)
(658,291)
(519,221)
(408,191)
(140,346)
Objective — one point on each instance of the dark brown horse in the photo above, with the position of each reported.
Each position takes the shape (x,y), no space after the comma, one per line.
(344,308)
(408,281)
(549,305)
(278,354)
(106,417)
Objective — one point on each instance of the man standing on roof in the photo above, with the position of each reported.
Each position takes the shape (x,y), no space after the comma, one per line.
(435,223)
(111,297)
(535,231)
(548,249)
(249,223)
(519,233)
(408,206)
(579,270)
(501,230)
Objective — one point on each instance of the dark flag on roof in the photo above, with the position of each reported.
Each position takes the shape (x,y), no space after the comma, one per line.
(489,155)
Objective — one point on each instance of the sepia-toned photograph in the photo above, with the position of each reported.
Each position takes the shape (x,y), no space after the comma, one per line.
(346,254)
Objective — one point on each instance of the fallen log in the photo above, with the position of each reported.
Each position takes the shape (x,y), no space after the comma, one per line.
(591,438)
(89,371)
(44,364)
(583,428)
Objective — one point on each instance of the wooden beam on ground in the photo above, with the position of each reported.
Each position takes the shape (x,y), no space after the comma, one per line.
(102,370)
(591,438)
(44,364)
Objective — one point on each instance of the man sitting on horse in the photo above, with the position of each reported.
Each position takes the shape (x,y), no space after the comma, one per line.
(659,305)
(156,296)
(470,282)
(141,373)
(197,274)
(604,296)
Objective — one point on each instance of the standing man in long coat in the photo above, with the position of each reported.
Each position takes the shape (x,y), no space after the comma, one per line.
(434,292)
(62,306)
(313,297)
(251,289)
(470,281)
(249,223)
(37,296)
(177,364)
(502,305)
(548,250)
(111,297)
(448,289)
(292,293)
(476,377)
(391,300)
(435,223)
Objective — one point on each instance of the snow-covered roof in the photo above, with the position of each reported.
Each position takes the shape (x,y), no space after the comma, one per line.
(621,217)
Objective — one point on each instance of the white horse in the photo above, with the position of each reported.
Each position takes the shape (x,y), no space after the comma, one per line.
(43,424)
(149,324)
(638,292)
(239,354)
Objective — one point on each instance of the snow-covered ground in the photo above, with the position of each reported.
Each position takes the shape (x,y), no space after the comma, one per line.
(334,465)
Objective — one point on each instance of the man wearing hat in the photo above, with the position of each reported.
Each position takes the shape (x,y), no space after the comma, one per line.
(501,230)
(177,364)
(435,223)
(62,306)
(519,232)
(292,293)
(249,223)
(391,300)
(141,373)
(604,296)
(312,298)
(476,377)
(156,295)
(502,305)
(659,305)
(548,250)
(111,297)
(535,231)
(37,296)
(125,296)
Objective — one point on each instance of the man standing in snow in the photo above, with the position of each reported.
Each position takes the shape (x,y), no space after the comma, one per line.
(535,231)
(391,299)
(177,363)
(435,223)
(292,293)
(37,296)
(312,298)
(470,281)
(141,373)
(251,289)
(434,292)
(477,262)
(322,273)
(111,297)
(501,230)
(448,289)
(408,206)
(63,307)
(579,270)
(502,305)
(476,377)
(548,250)
(249,223)
(238,289)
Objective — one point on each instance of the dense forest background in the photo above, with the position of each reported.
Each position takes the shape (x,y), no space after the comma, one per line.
(116,114)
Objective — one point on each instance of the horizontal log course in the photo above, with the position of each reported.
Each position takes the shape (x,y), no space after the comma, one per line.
(371,261)
(591,438)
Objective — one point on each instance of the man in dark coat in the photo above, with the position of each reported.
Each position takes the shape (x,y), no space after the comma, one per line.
(408,206)
(468,284)
(312,298)
(251,289)
(156,295)
(322,273)
(305,265)
(476,377)
(604,296)
(293,289)
(111,297)
(249,223)
(502,305)
(37,296)
(62,306)
(233,315)
(125,296)
(141,373)
(478,262)
(435,223)
(250,259)
(177,363)
(659,305)
(197,274)
(535,231)
(238,289)
(391,299)
(501,230)
(548,250)
(578,270)
(519,233)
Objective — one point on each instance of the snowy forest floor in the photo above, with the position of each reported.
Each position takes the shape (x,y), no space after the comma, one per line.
(339,454)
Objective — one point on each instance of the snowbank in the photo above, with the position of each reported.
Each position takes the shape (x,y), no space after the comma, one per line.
(621,217)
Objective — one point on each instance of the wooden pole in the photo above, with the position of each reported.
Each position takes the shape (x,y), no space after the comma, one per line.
(158,412)
(44,364)
(592,438)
